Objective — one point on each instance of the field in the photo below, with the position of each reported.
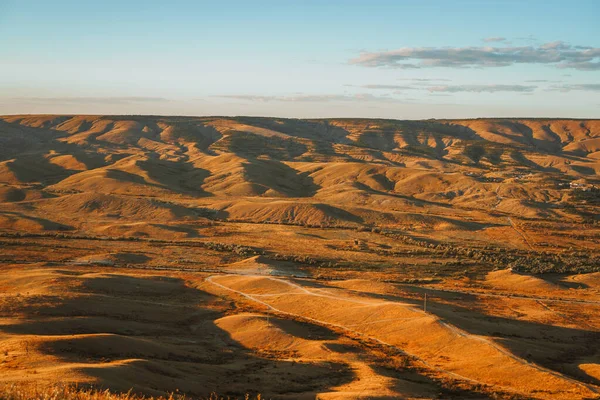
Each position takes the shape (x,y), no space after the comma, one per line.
(300,259)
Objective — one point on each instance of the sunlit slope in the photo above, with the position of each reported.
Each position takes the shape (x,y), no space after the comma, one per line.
(324,172)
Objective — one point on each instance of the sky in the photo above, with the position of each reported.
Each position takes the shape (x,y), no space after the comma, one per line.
(301,59)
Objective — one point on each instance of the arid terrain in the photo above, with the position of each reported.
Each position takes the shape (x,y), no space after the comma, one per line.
(301,259)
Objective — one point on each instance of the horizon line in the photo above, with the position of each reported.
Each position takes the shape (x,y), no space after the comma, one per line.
(293,118)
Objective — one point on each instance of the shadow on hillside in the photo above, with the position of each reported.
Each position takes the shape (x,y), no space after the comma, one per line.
(414,201)
(338,213)
(16,139)
(518,157)
(176,176)
(527,137)
(313,130)
(246,144)
(281,178)
(89,158)
(304,330)
(560,280)
(554,347)
(380,140)
(36,168)
(584,170)
(190,232)
(45,224)
(157,335)
(190,131)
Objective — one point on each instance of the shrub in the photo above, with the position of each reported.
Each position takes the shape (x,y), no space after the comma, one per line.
(24,391)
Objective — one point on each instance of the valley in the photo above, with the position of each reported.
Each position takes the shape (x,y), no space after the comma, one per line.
(301,259)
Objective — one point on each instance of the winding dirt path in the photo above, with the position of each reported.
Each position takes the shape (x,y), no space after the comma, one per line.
(513,225)
(567,386)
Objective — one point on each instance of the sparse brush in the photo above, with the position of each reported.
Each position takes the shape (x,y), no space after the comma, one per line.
(20,391)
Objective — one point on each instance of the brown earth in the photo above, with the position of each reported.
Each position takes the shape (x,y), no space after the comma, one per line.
(292,258)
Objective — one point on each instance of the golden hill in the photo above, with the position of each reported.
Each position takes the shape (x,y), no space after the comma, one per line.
(514,167)
(299,259)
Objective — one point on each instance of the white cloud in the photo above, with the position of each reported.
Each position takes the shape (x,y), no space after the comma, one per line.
(482,88)
(88,100)
(559,54)
(311,98)
(389,87)
(494,39)
(567,87)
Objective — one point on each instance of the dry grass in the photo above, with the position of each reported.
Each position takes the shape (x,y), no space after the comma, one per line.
(112,228)
(69,392)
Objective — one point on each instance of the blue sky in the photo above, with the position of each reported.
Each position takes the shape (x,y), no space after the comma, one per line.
(392,59)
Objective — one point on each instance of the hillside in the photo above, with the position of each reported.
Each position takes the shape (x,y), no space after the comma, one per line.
(447,180)
(513,167)
(299,259)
